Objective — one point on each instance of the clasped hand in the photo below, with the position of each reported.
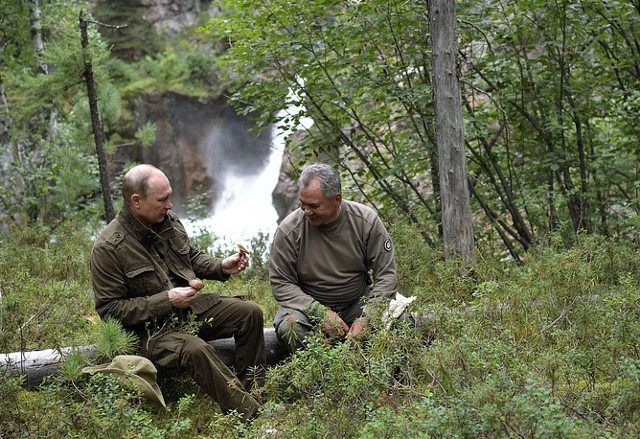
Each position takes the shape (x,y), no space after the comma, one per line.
(183,297)
(337,328)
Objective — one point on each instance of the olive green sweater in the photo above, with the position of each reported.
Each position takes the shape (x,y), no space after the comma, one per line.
(316,267)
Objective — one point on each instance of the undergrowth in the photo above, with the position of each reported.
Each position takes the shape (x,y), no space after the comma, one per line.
(46,298)
(546,348)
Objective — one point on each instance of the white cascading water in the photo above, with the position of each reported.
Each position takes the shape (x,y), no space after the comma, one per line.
(245,208)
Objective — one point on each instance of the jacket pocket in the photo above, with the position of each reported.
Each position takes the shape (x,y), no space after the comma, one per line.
(180,245)
(164,349)
(179,258)
(143,281)
(204,302)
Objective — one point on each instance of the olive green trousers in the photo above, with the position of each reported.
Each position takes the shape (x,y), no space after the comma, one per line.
(293,326)
(231,317)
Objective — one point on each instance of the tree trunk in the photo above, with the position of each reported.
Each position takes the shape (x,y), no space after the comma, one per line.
(98,133)
(5,126)
(10,152)
(457,224)
(36,36)
(42,67)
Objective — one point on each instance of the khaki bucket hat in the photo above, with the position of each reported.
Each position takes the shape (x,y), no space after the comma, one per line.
(140,369)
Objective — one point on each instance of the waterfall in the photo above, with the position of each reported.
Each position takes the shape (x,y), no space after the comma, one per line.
(245,207)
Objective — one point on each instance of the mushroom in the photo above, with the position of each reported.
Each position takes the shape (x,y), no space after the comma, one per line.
(196,283)
(242,250)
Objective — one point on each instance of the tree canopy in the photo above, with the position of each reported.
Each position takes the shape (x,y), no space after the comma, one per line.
(550,94)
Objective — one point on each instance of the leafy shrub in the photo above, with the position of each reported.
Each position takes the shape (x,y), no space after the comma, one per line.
(548,348)
(46,292)
(98,406)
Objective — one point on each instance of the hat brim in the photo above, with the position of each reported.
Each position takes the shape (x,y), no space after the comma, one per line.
(150,391)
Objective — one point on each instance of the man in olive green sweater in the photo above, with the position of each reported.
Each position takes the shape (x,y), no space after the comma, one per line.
(141,265)
(322,256)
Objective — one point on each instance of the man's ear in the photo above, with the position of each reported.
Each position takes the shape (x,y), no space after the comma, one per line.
(135,200)
(338,198)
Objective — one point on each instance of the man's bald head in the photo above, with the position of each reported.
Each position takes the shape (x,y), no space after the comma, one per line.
(136,181)
(147,194)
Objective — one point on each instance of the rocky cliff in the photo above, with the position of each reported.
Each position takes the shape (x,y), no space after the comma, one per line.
(197,144)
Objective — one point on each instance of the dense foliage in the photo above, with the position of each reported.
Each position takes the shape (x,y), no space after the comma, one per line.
(45,142)
(49,167)
(544,349)
(551,95)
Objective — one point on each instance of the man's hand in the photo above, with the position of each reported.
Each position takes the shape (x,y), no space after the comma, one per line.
(356,332)
(234,264)
(182,297)
(334,325)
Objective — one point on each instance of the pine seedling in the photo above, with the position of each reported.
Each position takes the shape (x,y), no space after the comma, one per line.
(112,339)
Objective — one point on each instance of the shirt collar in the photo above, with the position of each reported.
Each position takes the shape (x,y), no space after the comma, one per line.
(141,232)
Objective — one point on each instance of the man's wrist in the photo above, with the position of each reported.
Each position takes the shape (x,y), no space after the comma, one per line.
(316,312)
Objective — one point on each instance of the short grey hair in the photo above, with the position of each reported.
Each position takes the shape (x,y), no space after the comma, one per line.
(327,176)
(136,181)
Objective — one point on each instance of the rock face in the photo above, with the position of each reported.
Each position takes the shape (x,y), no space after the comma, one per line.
(169,17)
(285,194)
(198,143)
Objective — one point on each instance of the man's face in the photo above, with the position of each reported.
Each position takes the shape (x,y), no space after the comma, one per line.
(152,208)
(317,209)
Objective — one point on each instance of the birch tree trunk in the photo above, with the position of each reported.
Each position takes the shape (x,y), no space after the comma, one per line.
(36,365)
(36,36)
(42,67)
(457,226)
(5,126)
(10,152)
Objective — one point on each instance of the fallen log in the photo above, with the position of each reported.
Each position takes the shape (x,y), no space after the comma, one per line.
(36,365)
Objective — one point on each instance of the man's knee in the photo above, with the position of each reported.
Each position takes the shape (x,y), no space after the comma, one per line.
(292,332)
(286,325)
(255,313)
(194,348)
(251,312)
